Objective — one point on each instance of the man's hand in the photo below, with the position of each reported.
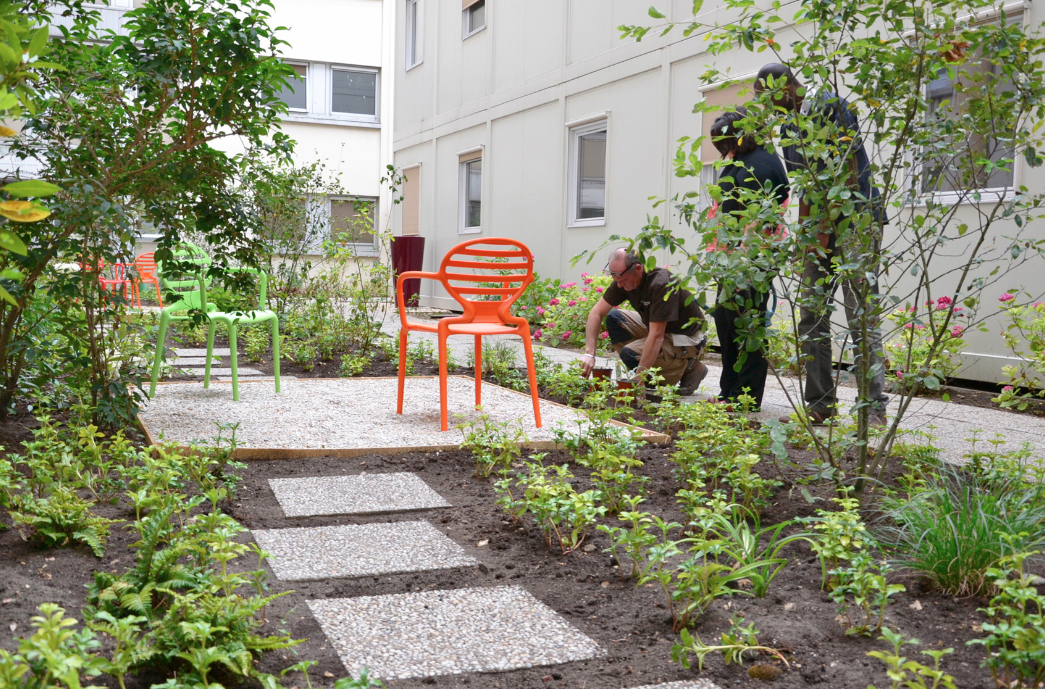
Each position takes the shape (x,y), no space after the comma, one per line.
(651,350)
(587,364)
(591,334)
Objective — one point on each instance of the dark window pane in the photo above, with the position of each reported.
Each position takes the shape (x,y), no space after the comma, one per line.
(591,175)
(474,193)
(295,93)
(476,16)
(348,226)
(355,92)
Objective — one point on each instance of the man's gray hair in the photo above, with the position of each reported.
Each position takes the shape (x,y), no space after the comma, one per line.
(630,259)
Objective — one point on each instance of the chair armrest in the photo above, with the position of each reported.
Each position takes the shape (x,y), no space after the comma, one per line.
(411,275)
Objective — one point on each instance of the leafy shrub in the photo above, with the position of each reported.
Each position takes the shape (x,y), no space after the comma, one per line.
(256,342)
(493,444)
(565,315)
(913,361)
(736,641)
(534,298)
(863,581)
(53,656)
(1015,639)
(911,674)
(61,518)
(1024,334)
(958,527)
(562,514)
(781,346)
(353,364)
(837,537)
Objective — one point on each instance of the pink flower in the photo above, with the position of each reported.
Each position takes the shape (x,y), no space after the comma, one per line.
(571,302)
(958,311)
(1039,305)
(599,290)
(540,311)
(1007,388)
(566,334)
(957,331)
(553,302)
(920,327)
(568,285)
(585,289)
(944,302)
(908,326)
(1006,297)
(899,374)
(523,307)
(603,335)
(588,281)
(583,299)
(584,275)
(537,334)
(549,325)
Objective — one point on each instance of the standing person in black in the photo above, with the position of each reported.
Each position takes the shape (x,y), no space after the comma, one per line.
(753,174)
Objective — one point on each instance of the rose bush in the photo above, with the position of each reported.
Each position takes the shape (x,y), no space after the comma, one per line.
(561,312)
(909,351)
(1024,334)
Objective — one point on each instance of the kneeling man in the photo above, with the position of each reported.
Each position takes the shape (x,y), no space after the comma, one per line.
(663,331)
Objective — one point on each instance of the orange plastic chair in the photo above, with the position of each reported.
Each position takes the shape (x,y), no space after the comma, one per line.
(145,266)
(121,278)
(466,273)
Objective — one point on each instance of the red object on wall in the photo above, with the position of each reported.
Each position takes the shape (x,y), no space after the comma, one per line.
(408,254)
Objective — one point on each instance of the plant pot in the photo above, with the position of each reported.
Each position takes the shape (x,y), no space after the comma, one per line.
(625,385)
(601,373)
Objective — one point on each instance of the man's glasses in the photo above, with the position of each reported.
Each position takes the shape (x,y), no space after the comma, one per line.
(617,276)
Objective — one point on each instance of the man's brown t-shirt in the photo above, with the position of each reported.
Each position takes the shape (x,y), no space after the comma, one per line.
(655,300)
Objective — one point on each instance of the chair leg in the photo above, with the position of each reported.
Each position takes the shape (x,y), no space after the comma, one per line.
(275,350)
(158,357)
(402,369)
(159,297)
(531,370)
(232,361)
(478,370)
(442,381)
(210,352)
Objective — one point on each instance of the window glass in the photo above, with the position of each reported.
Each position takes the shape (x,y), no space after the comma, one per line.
(354,92)
(949,170)
(348,226)
(411,33)
(591,177)
(477,16)
(295,93)
(473,175)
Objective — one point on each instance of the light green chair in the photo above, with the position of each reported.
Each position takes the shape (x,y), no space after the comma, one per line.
(233,320)
(187,286)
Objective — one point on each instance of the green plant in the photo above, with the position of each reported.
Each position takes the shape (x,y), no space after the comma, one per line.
(613,478)
(632,540)
(911,674)
(353,364)
(256,342)
(736,641)
(565,314)
(493,444)
(61,518)
(869,590)
(1024,334)
(561,513)
(958,527)
(780,346)
(927,344)
(53,656)
(1015,640)
(752,547)
(362,682)
(837,536)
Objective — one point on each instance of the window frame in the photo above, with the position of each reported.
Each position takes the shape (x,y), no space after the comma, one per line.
(414,49)
(462,194)
(466,19)
(308,86)
(361,248)
(377,93)
(576,131)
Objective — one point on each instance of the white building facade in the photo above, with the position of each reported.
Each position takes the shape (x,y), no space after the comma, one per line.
(534,120)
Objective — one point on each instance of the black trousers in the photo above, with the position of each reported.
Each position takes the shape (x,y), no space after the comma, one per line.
(747,306)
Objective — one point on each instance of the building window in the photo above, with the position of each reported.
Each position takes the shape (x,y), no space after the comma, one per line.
(353,92)
(947,170)
(413,33)
(471,166)
(412,201)
(587,178)
(295,91)
(473,17)
(353,221)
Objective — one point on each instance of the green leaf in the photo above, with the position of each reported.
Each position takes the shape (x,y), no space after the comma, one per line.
(697,4)
(655,13)
(12,242)
(31,187)
(38,43)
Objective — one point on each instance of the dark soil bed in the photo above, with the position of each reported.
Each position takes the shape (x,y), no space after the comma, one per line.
(632,624)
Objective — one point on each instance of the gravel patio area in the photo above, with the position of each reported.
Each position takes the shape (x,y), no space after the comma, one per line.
(342,417)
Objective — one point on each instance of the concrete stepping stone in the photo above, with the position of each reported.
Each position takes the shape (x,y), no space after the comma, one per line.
(362,494)
(201,351)
(684,684)
(430,633)
(219,371)
(327,552)
(190,361)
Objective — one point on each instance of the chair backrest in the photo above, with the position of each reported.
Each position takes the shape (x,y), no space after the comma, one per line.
(119,271)
(263,280)
(184,280)
(486,276)
(145,265)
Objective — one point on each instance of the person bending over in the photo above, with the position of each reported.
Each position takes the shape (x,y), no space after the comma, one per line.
(663,330)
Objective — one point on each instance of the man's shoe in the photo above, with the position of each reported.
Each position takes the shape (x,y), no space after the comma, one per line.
(693,377)
(877,419)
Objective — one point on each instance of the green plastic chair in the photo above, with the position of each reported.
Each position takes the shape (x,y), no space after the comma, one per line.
(233,320)
(187,286)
